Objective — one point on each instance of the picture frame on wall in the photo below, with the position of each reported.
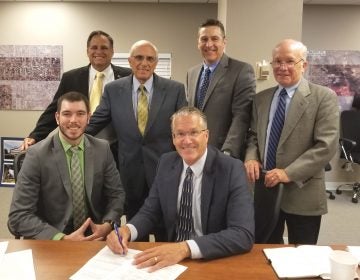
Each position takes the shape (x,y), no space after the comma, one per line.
(10,147)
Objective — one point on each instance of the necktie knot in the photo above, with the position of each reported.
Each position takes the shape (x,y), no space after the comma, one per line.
(283,92)
(99,75)
(74,149)
(189,172)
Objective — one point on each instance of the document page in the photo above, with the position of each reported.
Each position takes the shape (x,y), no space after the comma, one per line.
(302,261)
(17,265)
(3,247)
(106,265)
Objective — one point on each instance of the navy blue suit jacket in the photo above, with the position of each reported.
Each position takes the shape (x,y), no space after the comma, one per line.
(227,213)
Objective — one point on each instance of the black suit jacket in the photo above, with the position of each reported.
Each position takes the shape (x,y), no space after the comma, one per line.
(138,155)
(227,212)
(73,80)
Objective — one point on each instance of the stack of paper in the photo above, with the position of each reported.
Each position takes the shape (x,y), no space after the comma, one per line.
(300,262)
(16,265)
(106,265)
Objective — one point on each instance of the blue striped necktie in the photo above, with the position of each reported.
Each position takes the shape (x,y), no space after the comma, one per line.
(275,132)
(185,226)
(203,89)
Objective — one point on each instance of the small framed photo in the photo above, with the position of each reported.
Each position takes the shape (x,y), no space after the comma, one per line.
(10,147)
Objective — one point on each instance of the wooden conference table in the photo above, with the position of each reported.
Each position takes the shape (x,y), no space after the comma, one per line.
(58,260)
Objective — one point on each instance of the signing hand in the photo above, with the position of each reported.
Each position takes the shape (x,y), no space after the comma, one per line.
(113,241)
(162,256)
(276,176)
(252,170)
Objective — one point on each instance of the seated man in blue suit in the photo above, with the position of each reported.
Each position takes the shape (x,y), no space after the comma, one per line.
(68,187)
(201,195)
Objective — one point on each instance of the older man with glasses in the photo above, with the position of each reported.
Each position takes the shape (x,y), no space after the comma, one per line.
(139,107)
(291,144)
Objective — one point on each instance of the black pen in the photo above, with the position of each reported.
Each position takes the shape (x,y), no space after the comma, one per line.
(116,228)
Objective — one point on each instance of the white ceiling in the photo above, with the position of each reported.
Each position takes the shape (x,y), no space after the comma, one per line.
(306,2)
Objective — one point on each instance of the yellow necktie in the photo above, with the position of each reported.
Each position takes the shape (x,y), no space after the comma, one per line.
(142,109)
(96,91)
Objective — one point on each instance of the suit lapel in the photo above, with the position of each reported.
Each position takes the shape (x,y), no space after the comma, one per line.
(263,110)
(158,97)
(219,72)
(61,163)
(173,181)
(193,84)
(296,109)
(88,168)
(207,187)
(84,80)
(125,92)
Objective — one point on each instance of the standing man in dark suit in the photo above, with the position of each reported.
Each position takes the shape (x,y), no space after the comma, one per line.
(294,148)
(68,187)
(217,217)
(224,95)
(100,50)
(143,131)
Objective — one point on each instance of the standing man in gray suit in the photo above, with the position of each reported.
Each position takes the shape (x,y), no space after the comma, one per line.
(68,187)
(307,136)
(143,130)
(222,88)
(201,195)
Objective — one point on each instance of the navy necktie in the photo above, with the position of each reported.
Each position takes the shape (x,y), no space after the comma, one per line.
(275,132)
(203,89)
(185,224)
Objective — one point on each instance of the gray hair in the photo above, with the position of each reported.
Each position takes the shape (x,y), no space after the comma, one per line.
(189,111)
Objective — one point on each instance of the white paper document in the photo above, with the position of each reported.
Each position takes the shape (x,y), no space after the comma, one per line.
(3,247)
(300,262)
(355,251)
(17,265)
(106,265)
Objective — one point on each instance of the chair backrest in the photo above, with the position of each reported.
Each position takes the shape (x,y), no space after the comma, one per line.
(19,158)
(350,129)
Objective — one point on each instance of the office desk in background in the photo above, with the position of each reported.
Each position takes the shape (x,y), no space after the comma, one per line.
(58,260)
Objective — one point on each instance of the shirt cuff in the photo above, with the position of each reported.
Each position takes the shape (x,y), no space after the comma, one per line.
(58,236)
(133,232)
(194,249)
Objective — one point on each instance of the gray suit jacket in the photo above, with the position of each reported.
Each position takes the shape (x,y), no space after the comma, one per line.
(42,199)
(138,156)
(307,143)
(227,213)
(227,103)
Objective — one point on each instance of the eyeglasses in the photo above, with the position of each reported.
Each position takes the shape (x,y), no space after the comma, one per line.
(288,64)
(192,134)
(140,58)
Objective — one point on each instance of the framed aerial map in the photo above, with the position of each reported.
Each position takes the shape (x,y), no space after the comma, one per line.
(338,70)
(29,76)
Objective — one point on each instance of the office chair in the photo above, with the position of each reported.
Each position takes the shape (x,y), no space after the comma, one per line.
(18,161)
(331,195)
(350,147)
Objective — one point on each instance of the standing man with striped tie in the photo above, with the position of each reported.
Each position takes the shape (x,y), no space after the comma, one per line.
(222,87)
(200,194)
(139,107)
(88,80)
(294,134)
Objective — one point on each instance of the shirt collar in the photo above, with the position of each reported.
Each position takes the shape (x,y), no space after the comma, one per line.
(66,145)
(290,90)
(107,71)
(198,167)
(211,66)
(148,84)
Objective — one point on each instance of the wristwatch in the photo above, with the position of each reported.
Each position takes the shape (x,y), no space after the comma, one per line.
(227,152)
(111,222)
